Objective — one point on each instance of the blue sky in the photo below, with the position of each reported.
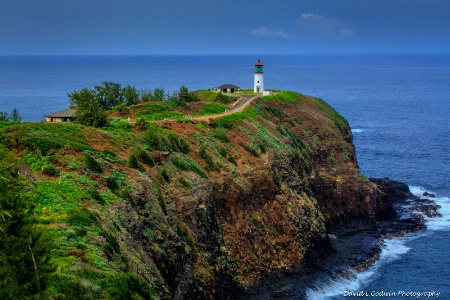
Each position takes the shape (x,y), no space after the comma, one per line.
(141,27)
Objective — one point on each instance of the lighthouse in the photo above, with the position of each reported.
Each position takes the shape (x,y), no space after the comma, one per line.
(259,78)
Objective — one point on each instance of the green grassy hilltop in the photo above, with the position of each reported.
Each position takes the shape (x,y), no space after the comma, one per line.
(182,209)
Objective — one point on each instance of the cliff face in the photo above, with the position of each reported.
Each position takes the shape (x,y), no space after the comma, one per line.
(247,195)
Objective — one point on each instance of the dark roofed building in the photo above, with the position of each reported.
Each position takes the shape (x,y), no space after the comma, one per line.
(228,88)
(66,115)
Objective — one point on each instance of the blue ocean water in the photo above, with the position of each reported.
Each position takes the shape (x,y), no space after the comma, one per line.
(397,105)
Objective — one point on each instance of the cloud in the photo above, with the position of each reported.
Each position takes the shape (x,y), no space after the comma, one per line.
(266,32)
(324,25)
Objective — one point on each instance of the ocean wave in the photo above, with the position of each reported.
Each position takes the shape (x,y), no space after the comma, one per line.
(439,223)
(392,250)
(357,130)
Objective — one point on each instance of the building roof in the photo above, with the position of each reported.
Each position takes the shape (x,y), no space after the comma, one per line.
(228,86)
(66,113)
(258,63)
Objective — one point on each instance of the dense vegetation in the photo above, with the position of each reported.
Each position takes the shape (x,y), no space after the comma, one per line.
(94,104)
(127,212)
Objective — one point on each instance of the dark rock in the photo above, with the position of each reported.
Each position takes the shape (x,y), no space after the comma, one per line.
(426,194)
(396,191)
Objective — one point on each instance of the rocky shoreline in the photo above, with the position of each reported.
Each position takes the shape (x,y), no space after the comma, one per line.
(354,246)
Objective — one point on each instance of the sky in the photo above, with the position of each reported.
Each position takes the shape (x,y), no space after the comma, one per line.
(154,27)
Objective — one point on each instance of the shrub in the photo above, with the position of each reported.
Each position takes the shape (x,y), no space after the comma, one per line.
(185,183)
(142,123)
(49,170)
(165,176)
(82,217)
(251,149)
(111,153)
(45,144)
(228,120)
(210,164)
(157,138)
(96,196)
(111,182)
(221,134)
(92,164)
(197,170)
(222,151)
(121,107)
(213,108)
(275,111)
(232,160)
(144,157)
(180,164)
(220,97)
(134,163)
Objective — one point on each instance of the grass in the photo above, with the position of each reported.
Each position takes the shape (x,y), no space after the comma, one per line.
(212,108)
(161,110)
(158,138)
(284,97)
(228,122)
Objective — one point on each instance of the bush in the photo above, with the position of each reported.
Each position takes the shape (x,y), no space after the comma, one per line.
(220,97)
(213,108)
(210,164)
(228,120)
(49,170)
(92,164)
(134,163)
(185,183)
(180,164)
(96,196)
(251,149)
(82,217)
(232,160)
(122,107)
(45,144)
(165,176)
(221,134)
(111,182)
(143,157)
(157,138)
(142,123)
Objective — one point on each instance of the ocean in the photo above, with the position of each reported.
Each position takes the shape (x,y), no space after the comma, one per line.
(397,105)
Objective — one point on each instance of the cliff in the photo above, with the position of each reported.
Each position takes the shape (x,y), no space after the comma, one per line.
(188,210)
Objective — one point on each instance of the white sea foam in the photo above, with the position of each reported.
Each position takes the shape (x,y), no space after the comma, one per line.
(438,223)
(357,130)
(392,250)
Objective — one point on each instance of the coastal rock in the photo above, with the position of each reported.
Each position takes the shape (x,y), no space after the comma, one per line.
(426,194)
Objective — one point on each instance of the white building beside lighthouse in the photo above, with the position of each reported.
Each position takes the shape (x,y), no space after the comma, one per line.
(259,78)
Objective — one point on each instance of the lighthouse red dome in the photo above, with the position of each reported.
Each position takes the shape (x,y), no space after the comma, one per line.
(258,63)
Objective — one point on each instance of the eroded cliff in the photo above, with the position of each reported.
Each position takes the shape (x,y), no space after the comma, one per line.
(189,210)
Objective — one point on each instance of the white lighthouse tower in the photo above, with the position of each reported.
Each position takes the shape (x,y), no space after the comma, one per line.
(259,78)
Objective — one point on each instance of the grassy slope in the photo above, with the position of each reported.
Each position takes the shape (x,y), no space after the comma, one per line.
(109,244)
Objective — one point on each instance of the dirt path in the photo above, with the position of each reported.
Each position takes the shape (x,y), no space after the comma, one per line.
(25,170)
(239,107)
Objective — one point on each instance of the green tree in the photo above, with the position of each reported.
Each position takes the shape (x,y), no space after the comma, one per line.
(18,234)
(130,95)
(159,94)
(89,111)
(15,117)
(186,96)
(145,95)
(109,94)
(4,116)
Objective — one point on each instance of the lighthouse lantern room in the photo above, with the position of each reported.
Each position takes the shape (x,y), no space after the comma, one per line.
(259,78)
